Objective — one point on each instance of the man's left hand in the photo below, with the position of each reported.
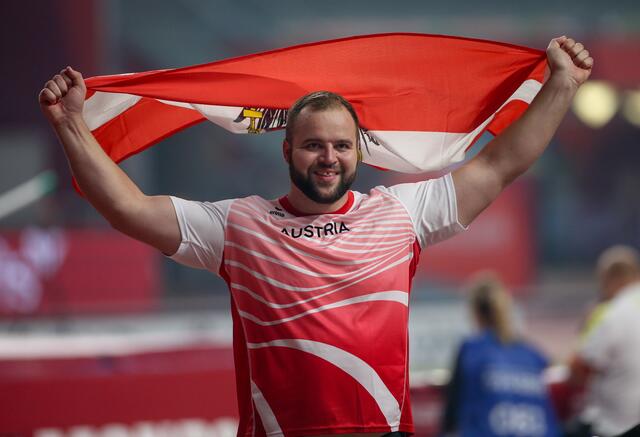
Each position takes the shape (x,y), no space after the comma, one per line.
(569,59)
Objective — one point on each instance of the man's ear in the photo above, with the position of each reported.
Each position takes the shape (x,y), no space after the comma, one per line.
(286,150)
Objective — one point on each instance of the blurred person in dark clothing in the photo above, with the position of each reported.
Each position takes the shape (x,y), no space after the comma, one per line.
(607,363)
(497,386)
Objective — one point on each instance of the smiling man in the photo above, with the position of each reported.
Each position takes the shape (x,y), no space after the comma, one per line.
(319,278)
(326,130)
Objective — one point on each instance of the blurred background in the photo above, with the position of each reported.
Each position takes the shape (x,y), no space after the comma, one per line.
(90,318)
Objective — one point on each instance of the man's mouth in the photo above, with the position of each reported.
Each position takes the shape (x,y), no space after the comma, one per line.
(326,172)
(326,175)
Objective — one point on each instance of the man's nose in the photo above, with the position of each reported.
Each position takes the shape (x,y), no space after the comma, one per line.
(328,155)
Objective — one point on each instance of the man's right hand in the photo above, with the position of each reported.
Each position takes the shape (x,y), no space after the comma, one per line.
(63,96)
(150,219)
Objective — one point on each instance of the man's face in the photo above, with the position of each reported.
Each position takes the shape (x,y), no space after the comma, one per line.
(323,155)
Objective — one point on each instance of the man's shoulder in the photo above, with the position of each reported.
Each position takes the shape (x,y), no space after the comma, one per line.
(626,302)
(630,292)
(619,315)
(412,187)
(221,208)
(377,196)
(257,207)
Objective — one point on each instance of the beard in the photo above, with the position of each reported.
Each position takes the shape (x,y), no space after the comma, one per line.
(305,183)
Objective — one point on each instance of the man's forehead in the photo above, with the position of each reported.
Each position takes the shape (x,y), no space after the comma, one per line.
(309,111)
(330,121)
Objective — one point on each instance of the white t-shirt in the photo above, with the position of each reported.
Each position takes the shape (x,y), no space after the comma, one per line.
(612,347)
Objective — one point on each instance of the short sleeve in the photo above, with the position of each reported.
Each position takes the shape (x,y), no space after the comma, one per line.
(432,206)
(202,227)
(597,347)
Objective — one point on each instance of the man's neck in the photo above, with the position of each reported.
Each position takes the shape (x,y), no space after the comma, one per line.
(306,206)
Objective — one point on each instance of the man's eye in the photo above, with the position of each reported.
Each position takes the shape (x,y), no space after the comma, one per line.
(343,146)
(313,146)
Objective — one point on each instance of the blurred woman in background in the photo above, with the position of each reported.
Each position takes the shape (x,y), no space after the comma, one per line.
(496,387)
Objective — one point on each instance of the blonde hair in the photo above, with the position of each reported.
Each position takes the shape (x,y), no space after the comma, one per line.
(491,304)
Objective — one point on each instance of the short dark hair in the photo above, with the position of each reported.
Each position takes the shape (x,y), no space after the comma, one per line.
(619,263)
(319,101)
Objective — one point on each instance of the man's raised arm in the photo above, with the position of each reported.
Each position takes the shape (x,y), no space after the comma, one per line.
(150,219)
(512,152)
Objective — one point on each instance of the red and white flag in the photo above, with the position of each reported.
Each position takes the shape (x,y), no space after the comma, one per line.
(422,100)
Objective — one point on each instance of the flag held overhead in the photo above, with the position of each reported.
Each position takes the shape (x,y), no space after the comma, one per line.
(422,100)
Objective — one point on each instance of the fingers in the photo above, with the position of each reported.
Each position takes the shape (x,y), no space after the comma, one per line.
(59,85)
(580,56)
(47,97)
(65,76)
(572,47)
(55,88)
(555,42)
(52,86)
(583,59)
(74,76)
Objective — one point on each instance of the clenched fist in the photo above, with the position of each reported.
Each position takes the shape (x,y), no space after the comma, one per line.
(63,96)
(570,58)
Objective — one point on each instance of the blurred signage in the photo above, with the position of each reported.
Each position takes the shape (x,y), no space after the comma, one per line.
(224,427)
(187,392)
(427,405)
(56,271)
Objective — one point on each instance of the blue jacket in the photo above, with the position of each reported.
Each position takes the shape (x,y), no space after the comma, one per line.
(497,391)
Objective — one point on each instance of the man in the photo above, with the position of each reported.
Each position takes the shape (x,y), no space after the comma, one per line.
(320,277)
(608,360)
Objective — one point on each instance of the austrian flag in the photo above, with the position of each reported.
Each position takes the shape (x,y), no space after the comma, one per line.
(422,100)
